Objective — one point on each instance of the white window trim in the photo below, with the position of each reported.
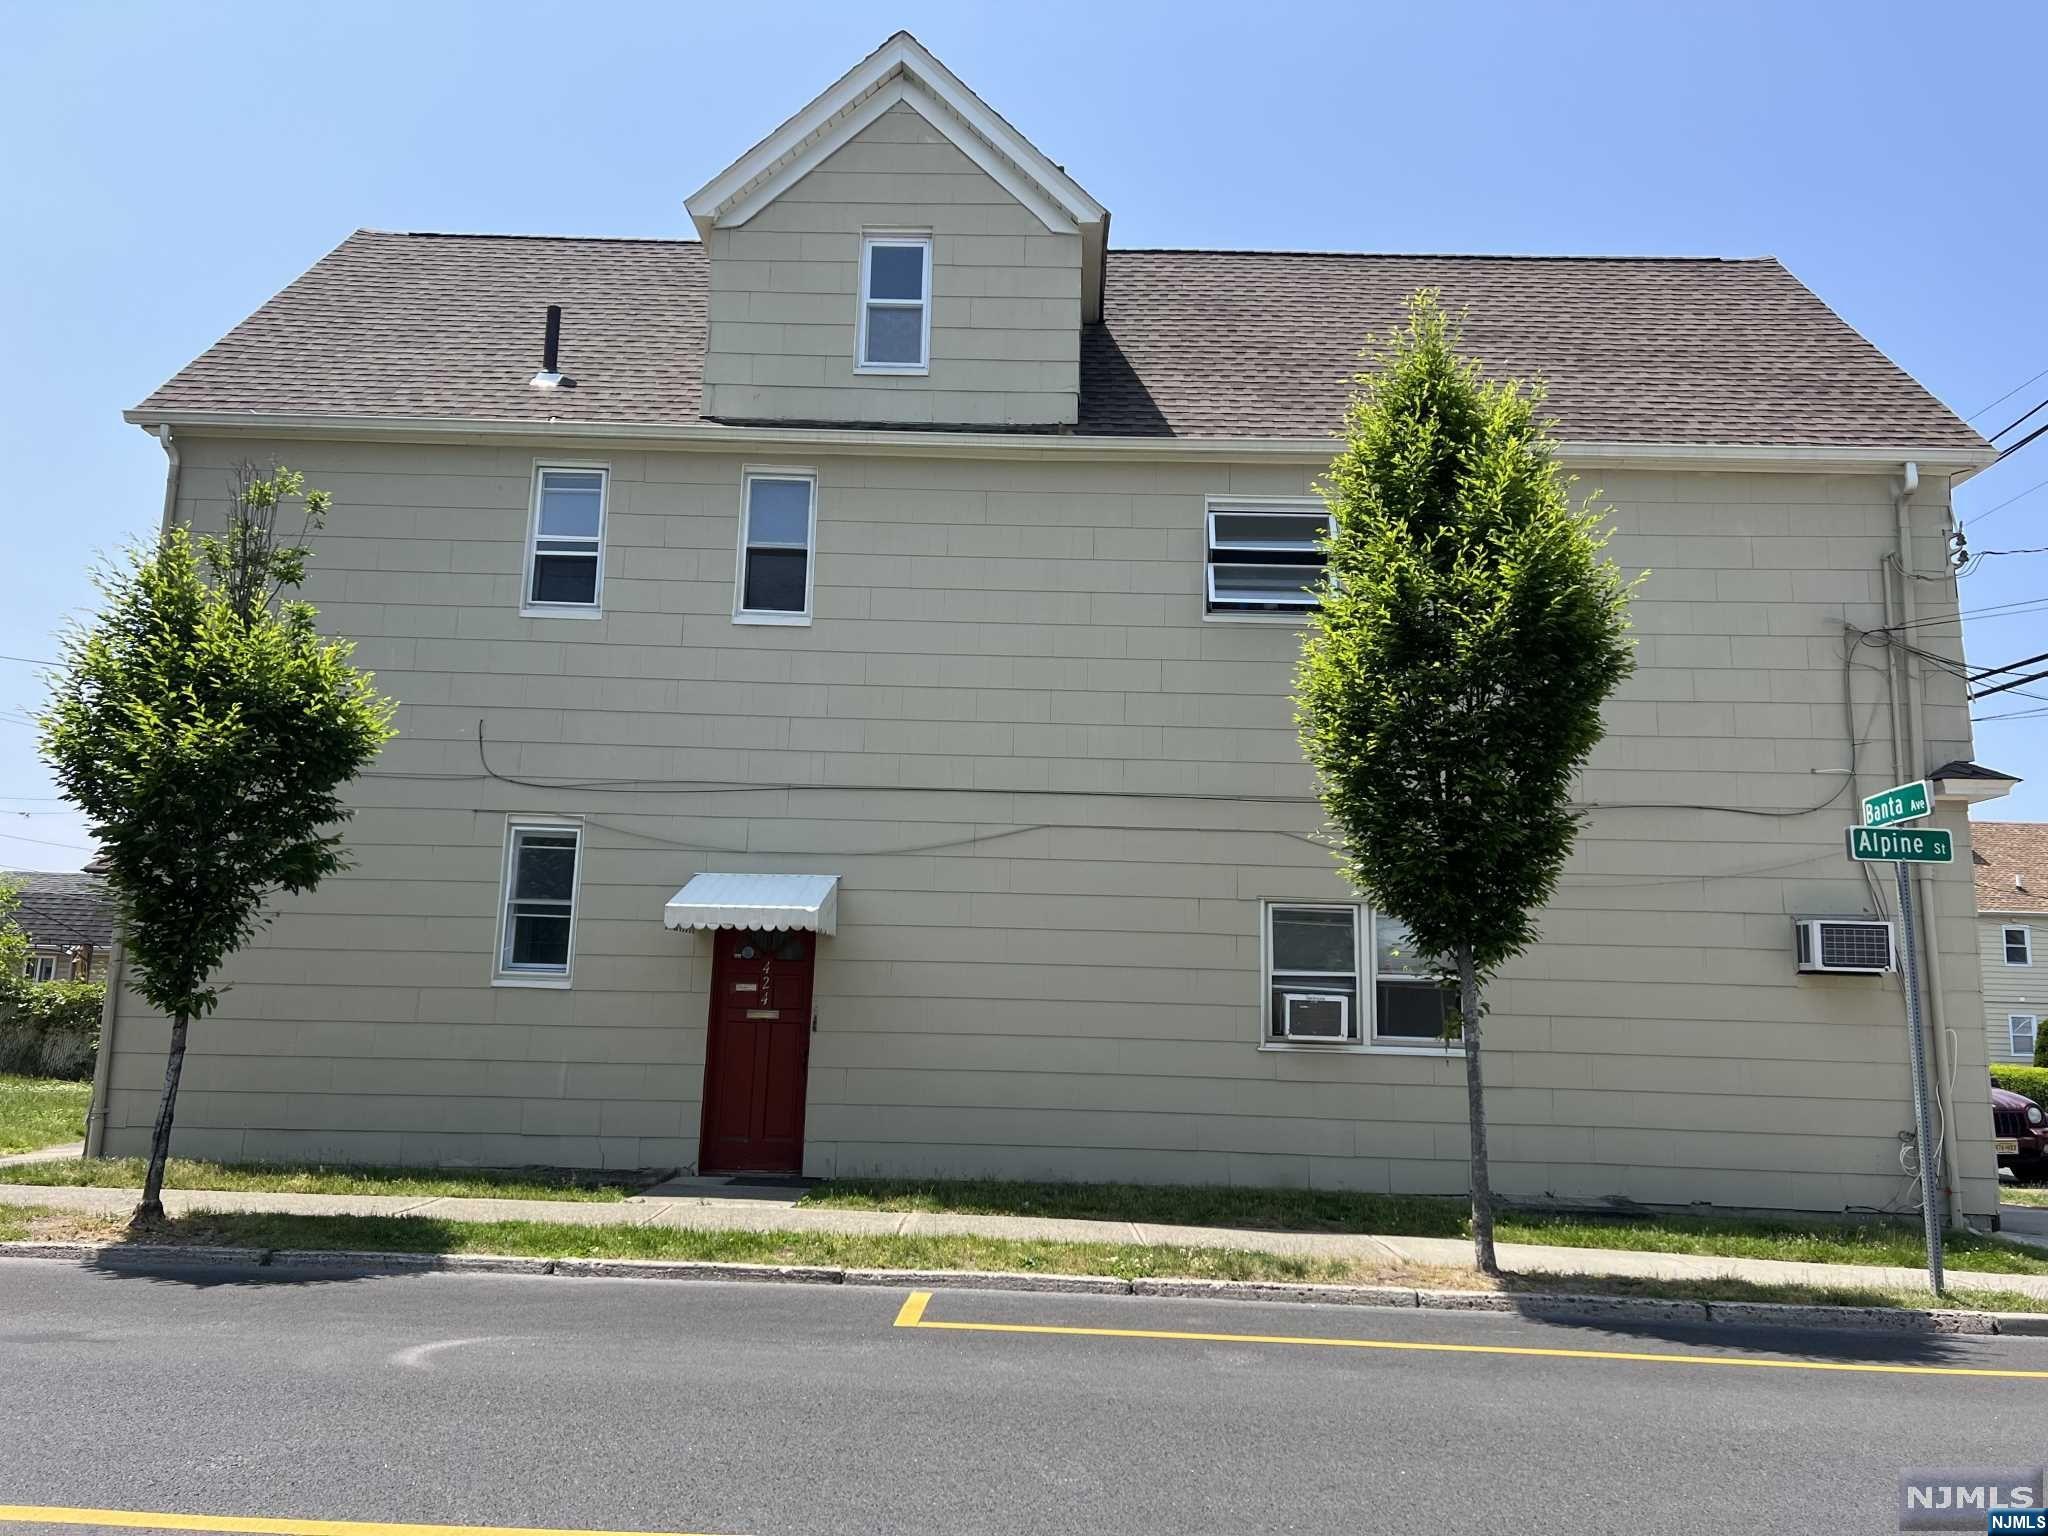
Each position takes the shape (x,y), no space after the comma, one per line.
(741,614)
(2033,1026)
(1215,504)
(869,239)
(1366,947)
(594,609)
(2026,943)
(501,976)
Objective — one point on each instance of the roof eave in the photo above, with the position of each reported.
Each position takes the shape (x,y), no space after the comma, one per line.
(1806,458)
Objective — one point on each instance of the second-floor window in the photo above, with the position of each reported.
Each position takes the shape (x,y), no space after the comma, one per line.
(778,522)
(895,303)
(2019,946)
(1265,557)
(564,567)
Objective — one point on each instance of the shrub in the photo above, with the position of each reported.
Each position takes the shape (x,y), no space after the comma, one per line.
(50,1028)
(2031,1081)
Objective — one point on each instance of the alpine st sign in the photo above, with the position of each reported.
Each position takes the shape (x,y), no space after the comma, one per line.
(1901,845)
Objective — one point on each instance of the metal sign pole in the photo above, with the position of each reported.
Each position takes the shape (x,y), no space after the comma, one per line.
(1926,1148)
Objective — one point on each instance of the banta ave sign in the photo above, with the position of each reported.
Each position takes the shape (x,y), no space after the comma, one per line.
(1906,802)
(1902,845)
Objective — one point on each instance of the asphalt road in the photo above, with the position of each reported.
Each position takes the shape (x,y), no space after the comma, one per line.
(638,1405)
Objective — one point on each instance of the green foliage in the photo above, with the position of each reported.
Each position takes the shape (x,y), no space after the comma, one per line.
(15,948)
(204,727)
(2041,1047)
(49,1027)
(2031,1082)
(1469,631)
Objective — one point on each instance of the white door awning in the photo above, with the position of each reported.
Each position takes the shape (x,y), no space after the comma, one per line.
(810,902)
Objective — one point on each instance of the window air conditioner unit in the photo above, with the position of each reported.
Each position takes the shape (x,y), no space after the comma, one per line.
(1316,1016)
(1846,946)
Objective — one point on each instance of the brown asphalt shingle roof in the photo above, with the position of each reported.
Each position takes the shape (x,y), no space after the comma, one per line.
(2010,860)
(63,908)
(1192,344)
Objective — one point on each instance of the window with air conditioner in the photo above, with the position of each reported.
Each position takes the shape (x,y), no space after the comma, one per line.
(1338,974)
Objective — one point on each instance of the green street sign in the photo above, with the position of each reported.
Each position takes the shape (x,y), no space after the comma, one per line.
(1901,845)
(1906,802)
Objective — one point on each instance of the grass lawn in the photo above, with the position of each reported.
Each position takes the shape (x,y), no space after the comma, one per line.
(318,1179)
(1295,1210)
(534,1239)
(40,1112)
(2023,1194)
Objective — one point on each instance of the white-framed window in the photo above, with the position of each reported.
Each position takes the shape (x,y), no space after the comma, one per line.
(565,553)
(2019,946)
(40,968)
(2020,1029)
(778,538)
(1265,556)
(895,304)
(537,937)
(1337,974)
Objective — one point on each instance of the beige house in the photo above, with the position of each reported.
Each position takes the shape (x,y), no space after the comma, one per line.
(69,921)
(845,666)
(2011,865)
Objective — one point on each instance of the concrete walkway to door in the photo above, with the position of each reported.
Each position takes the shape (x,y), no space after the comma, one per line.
(722,1207)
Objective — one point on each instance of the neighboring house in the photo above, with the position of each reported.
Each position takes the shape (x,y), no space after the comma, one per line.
(69,921)
(2011,865)
(845,668)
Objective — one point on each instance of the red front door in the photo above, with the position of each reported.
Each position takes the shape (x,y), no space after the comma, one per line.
(759,1048)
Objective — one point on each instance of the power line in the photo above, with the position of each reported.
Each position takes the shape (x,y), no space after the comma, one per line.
(43,842)
(2023,415)
(2012,448)
(1984,409)
(32,661)
(1978,517)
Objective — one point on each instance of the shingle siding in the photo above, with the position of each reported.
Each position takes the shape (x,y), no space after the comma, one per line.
(1046,964)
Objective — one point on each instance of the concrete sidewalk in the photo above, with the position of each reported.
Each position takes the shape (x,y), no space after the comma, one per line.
(758,1213)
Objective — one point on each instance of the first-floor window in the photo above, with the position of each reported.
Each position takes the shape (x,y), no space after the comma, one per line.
(2019,1033)
(778,522)
(1342,975)
(1312,981)
(1410,1006)
(41,968)
(540,900)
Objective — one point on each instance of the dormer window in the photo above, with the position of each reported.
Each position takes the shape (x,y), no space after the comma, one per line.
(895,304)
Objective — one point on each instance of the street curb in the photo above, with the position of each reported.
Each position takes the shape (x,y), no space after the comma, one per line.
(1547,1306)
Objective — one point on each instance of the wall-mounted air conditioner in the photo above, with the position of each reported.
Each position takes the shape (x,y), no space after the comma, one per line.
(1846,946)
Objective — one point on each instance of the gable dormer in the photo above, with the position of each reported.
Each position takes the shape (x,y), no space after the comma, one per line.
(897,254)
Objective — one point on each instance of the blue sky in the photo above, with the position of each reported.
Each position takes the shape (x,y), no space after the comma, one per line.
(172,166)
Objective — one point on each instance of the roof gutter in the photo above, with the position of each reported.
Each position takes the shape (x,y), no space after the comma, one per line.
(714,436)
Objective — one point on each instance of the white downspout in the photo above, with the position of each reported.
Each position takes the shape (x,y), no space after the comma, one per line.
(110,1008)
(1916,764)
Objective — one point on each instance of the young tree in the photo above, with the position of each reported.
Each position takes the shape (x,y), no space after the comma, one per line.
(204,726)
(1451,685)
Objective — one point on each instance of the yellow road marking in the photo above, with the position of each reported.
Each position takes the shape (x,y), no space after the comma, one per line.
(140,1519)
(912,1316)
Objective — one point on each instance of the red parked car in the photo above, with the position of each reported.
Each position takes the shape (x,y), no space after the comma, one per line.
(2022,1134)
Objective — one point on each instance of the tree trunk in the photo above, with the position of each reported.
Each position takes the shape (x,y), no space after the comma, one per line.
(1475,1111)
(152,1206)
